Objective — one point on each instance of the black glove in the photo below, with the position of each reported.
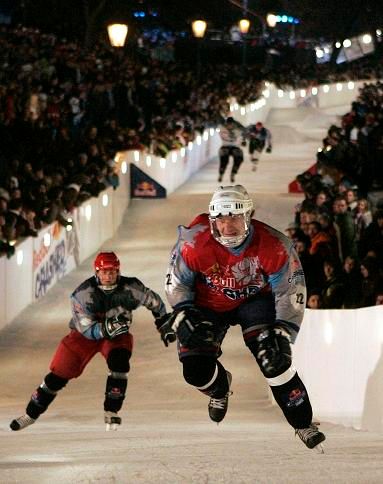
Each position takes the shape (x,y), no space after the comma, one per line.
(269,149)
(243,143)
(192,329)
(274,351)
(164,326)
(114,326)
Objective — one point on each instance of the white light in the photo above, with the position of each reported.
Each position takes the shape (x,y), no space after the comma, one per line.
(47,239)
(19,257)
(378,32)
(350,85)
(205,135)
(183,152)
(326,50)
(174,157)
(69,220)
(217,130)
(199,140)
(88,212)
(319,53)
(162,162)
(280,93)
(303,92)
(267,83)
(271,20)
(117,34)
(124,167)
(328,333)
(136,156)
(292,95)
(105,200)
(211,131)
(338,45)
(148,160)
(347,43)
(231,108)
(326,88)
(367,39)
(243,111)
(190,145)
(320,150)
(266,93)
(339,86)
(314,91)
(68,228)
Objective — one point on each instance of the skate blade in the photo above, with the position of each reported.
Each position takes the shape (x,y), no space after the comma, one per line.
(319,449)
(111,427)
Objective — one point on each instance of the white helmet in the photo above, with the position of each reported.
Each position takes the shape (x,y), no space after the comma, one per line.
(230,200)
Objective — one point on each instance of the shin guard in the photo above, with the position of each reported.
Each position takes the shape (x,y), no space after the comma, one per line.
(292,398)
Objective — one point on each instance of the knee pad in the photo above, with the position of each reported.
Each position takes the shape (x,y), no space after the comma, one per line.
(198,370)
(54,383)
(272,351)
(294,402)
(118,360)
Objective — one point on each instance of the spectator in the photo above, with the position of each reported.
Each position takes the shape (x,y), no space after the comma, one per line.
(314,299)
(333,290)
(371,281)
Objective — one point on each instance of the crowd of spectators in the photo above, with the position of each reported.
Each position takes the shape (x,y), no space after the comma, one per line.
(338,230)
(65,111)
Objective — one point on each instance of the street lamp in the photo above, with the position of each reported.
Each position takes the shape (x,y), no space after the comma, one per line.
(244,25)
(199,29)
(117,34)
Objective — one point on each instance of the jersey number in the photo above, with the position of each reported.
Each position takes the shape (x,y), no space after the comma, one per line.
(299,298)
(168,279)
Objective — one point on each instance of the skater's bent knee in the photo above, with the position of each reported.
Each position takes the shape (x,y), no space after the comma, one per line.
(197,370)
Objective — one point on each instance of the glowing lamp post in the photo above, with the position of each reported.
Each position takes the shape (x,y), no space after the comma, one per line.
(244,25)
(199,29)
(117,34)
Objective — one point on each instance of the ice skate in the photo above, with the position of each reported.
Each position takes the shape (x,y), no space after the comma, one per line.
(112,421)
(22,422)
(312,437)
(218,406)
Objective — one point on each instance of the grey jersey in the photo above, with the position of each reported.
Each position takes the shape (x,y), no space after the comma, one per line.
(91,305)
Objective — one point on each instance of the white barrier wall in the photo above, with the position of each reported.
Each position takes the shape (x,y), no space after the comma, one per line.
(179,165)
(339,355)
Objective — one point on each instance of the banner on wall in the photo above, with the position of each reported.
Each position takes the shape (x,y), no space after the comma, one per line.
(143,186)
(56,252)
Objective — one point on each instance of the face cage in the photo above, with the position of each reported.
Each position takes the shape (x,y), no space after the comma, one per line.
(231,242)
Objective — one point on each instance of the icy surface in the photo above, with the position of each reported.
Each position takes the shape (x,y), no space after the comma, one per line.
(166,434)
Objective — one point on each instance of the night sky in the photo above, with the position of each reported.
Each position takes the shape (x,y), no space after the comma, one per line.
(319,18)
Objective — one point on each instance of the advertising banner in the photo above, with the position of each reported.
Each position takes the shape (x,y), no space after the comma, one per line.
(55,253)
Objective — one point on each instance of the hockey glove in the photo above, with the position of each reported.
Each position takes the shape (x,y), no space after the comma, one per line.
(269,149)
(164,326)
(274,351)
(115,326)
(192,329)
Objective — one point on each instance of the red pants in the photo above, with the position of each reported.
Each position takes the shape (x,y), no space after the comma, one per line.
(75,351)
